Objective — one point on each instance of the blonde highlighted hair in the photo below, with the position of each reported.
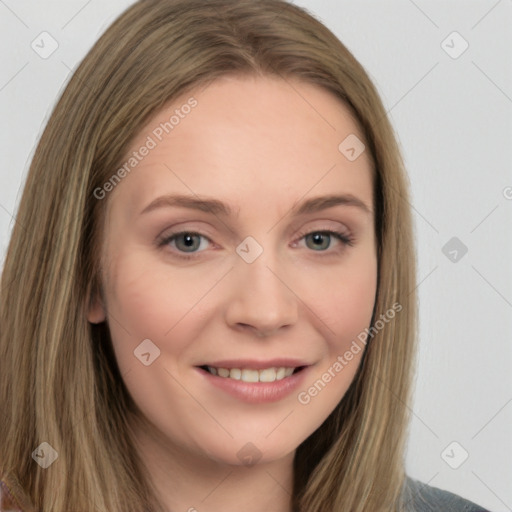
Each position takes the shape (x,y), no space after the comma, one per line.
(59,380)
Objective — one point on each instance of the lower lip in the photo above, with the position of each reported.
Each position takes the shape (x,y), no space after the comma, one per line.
(257,392)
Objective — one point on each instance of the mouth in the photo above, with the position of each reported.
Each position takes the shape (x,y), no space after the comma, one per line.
(244,374)
(254,381)
(270,374)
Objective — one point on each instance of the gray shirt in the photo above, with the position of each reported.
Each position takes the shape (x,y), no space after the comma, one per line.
(420,497)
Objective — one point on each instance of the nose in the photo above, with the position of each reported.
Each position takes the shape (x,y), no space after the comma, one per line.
(261,300)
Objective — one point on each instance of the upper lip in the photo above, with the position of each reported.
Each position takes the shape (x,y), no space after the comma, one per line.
(257,364)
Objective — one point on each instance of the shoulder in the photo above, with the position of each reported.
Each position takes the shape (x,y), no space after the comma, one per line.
(420,497)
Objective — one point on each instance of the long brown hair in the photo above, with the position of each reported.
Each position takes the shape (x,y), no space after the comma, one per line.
(59,380)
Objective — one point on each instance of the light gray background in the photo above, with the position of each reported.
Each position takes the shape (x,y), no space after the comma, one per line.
(453,117)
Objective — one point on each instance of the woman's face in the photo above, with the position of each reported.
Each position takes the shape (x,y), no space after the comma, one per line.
(253,281)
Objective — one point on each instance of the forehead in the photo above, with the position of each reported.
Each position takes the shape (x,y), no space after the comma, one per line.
(248,138)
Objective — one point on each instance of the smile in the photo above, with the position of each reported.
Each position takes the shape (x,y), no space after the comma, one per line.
(253,375)
(256,385)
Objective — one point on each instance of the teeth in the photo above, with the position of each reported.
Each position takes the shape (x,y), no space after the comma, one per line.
(247,375)
(222,372)
(235,373)
(268,375)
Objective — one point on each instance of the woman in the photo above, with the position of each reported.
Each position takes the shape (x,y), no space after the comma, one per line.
(206,300)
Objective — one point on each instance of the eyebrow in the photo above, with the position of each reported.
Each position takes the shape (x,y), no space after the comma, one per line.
(216,207)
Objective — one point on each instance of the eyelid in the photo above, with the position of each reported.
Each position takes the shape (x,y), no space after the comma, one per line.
(164,240)
(344,237)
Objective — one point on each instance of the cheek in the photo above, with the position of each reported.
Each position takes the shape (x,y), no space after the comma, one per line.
(146,301)
(343,302)
(353,303)
(345,307)
(343,299)
(149,302)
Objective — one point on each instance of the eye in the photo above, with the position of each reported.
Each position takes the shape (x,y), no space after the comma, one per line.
(185,241)
(186,244)
(321,240)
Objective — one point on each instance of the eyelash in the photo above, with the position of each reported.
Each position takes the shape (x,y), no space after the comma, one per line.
(345,239)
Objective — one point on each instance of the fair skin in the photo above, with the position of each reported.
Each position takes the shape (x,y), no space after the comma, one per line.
(261,146)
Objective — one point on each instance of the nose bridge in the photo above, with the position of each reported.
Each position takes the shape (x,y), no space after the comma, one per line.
(261,274)
(261,297)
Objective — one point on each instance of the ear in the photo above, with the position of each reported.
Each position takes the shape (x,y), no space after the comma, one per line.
(95,306)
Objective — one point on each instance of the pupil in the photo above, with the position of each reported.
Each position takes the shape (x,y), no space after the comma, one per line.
(187,242)
(320,241)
